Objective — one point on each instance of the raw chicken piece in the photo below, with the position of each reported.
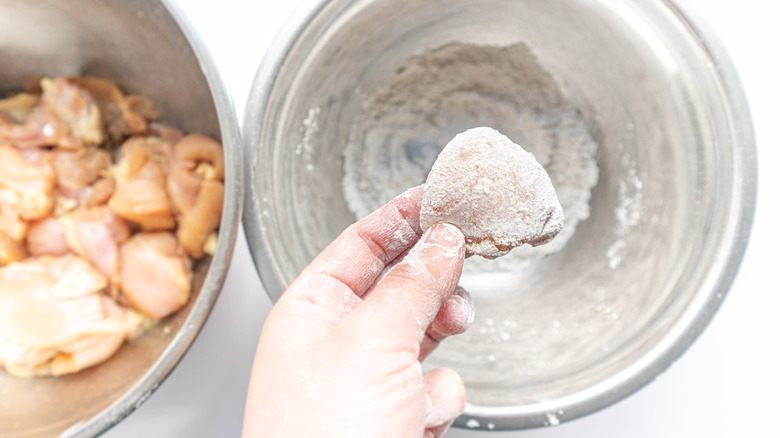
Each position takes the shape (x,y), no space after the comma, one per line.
(95,234)
(140,194)
(47,237)
(41,158)
(69,276)
(54,319)
(78,114)
(98,193)
(23,186)
(63,204)
(155,274)
(27,135)
(13,229)
(11,250)
(66,117)
(196,189)
(166,133)
(142,107)
(16,109)
(78,170)
(122,115)
(11,224)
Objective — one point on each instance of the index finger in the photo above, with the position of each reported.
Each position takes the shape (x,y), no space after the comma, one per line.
(357,257)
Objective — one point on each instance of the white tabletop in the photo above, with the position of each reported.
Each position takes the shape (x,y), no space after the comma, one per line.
(724,386)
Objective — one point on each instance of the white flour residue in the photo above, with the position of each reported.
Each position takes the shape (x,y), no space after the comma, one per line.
(472,423)
(311,127)
(433,97)
(552,419)
(628,211)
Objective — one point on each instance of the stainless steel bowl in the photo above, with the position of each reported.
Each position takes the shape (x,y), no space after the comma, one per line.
(149,49)
(589,325)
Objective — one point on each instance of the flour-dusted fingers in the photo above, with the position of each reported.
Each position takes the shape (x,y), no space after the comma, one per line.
(408,298)
(332,285)
(361,252)
(454,318)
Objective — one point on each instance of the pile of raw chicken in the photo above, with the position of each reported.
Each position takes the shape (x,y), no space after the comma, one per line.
(102,212)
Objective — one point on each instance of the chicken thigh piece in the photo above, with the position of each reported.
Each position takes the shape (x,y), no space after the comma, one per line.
(95,234)
(195,184)
(25,187)
(11,250)
(155,273)
(66,116)
(47,237)
(54,318)
(121,115)
(140,175)
(78,171)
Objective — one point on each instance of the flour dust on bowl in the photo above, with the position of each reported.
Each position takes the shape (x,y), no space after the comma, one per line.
(632,107)
(148,49)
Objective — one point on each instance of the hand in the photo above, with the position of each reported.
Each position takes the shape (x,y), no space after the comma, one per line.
(340,352)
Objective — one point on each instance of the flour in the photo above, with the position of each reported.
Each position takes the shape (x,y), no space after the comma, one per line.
(628,211)
(431,98)
(494,191)
(311,127)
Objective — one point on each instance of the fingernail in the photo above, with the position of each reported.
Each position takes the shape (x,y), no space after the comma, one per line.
(448,396)
(446,235)
(454,318)
(466,302)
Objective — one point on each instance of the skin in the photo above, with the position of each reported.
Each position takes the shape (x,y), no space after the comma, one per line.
(339,355)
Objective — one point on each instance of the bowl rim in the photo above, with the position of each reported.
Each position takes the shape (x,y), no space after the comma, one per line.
(220,262)
(718,276)
(254,110)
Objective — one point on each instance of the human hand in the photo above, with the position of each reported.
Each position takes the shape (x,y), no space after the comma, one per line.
(339,355)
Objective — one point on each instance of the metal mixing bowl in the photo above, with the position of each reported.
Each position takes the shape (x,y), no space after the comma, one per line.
(149,49)
(579,329)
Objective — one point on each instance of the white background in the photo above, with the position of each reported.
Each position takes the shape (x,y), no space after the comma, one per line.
(726,385)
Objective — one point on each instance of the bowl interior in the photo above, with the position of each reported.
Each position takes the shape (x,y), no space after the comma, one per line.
(552,334)
(141,47)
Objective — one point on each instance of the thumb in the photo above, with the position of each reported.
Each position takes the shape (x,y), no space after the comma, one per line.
(447,394)
(414,290)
